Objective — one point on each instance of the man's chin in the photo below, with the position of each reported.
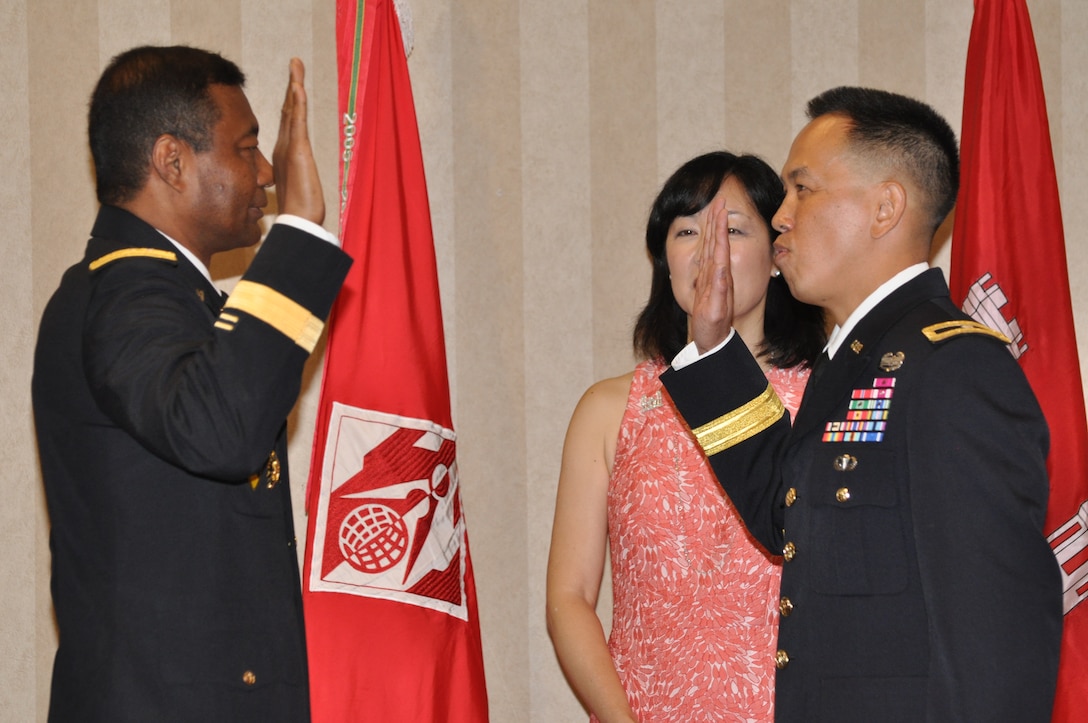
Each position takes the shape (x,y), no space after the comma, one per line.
(254,235)
(248,240)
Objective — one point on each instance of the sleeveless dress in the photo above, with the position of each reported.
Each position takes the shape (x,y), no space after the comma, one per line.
(695,610)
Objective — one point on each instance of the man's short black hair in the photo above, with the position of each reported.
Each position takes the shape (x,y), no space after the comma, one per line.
(903,132)
(144,93)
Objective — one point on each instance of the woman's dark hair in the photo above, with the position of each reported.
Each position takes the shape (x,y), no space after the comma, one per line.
(144,93)
(794,332)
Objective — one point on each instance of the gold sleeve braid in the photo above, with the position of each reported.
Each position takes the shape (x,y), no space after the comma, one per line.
(740,424)
(273,308)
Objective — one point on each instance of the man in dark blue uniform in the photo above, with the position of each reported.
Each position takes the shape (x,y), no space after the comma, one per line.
(161,410)
(908,499)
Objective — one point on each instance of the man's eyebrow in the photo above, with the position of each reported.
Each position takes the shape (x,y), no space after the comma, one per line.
(251,132)
(794,173)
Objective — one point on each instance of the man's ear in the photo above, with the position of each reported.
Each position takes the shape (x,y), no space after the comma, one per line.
(891,202)
(169,160)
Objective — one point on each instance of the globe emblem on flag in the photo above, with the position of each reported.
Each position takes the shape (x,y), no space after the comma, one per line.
(373,538)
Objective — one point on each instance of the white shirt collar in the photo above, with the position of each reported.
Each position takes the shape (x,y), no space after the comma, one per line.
(296,221)
(192,258)
(838,334)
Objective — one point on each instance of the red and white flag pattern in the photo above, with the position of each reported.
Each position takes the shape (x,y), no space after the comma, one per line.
(1009,268)
(390,602)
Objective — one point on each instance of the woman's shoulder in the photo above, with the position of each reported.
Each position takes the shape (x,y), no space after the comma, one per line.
(608,393)
(602,405)
(597,419)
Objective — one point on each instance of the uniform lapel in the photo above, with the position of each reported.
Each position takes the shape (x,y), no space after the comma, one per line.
(213,298)
(835,380)
(839,376)
(115,228)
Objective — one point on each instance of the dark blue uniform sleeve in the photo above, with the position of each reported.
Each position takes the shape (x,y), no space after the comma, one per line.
(210,399)
(979,491)
(743,443)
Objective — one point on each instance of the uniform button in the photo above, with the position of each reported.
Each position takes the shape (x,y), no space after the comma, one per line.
(791,496)
(789,551)
(785,607)
(249,678)
(781,659)
(292,542)
(272,468)
(842,494)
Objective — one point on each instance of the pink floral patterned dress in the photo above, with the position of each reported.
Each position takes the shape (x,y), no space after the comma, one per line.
(694,616)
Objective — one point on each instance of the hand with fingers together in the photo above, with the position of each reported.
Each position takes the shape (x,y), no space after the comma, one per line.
(712,309)
(298,186)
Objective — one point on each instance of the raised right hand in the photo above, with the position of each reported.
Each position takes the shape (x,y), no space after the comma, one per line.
(298,187)
(712,309)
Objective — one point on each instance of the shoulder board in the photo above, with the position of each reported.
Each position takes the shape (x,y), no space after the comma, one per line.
(133,253)
(937,333)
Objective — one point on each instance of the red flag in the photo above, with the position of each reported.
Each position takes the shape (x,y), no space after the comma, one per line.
(390,603)
(1008,265)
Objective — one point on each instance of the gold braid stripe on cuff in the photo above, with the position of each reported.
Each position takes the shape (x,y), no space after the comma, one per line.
(278,311)
(740,424)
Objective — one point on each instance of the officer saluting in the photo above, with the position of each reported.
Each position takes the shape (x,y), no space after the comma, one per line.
(160,408)
(908,498)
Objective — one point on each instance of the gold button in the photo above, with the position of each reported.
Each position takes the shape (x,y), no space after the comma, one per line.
(785,607)
(842,494)
(789,551)
(845,463)
(791,496)
(781,659)
(249,678)
(273,470)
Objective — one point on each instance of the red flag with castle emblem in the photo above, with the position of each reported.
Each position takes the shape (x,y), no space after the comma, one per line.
(390,603)
(1008,266)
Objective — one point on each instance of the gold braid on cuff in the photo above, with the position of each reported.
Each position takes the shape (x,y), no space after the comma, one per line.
(740,424)
(273,308)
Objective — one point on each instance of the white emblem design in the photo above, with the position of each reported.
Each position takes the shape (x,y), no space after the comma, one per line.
(984,303)
(388,521)
(1070,545)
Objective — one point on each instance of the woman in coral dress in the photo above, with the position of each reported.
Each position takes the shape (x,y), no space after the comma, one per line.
(694,597)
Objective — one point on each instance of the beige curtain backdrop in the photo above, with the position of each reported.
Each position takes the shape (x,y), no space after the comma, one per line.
(547,127)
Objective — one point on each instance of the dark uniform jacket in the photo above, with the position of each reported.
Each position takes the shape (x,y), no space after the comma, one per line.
(908,500)
(161,424)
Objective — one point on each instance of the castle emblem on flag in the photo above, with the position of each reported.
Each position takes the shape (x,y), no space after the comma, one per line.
(1070,545)
(388,522)
(984,303)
